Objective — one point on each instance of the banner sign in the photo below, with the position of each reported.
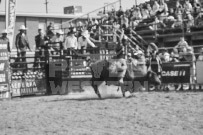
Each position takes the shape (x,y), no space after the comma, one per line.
(10,19)
(4,71)
(199,65)
(176,72)
(28,83)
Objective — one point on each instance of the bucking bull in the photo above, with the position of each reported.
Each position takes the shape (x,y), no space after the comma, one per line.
(118,71)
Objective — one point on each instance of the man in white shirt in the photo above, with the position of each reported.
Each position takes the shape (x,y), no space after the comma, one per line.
(84,40)
(71,41)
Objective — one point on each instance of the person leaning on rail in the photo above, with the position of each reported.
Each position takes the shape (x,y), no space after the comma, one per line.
(84,41)
(22,44)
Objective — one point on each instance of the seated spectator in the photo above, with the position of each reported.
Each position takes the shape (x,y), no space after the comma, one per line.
(149,8)
(163,8)
(169,21)
(171,12)
(145,13)
(200,57)
(199,18)
(157,24)
(188,7)
(174,56)
(196,7)
(136,14)
(165,56)
(155,7)
(178,8)
(182,44)
(178,23)
(190,22)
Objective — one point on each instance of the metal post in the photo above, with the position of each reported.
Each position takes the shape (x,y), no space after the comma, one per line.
(120,3)
(46,3)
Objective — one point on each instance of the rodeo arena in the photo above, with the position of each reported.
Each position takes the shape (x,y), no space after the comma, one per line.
(111,71)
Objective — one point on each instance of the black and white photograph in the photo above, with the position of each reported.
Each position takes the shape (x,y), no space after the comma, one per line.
(101,67)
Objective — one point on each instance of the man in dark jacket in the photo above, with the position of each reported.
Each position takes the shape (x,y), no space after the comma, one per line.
(40,40)
(22,43)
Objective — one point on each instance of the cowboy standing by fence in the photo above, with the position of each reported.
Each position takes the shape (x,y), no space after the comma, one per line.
(22,44)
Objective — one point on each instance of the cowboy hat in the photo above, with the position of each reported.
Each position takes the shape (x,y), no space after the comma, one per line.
(4,31)
(22,27)
(85,33)
(60,32)
(153,46)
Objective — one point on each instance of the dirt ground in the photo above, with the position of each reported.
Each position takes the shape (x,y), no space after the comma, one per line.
(153,113)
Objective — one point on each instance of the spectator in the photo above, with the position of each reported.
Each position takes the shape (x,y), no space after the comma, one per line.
(5,40)
(71,42)
(178,7)
(188,7)
(163,8)
(136,14)
(178,23)
(50,32)
(171,12)
(40,41)
(182,44)
(57,41)
(196,7)
(155,8)
(22,44)
(157,24)
(199,18)
(190,22)
(174,55)
(149,8)
(165,56)
(83,41)
(145,13)
(200,57)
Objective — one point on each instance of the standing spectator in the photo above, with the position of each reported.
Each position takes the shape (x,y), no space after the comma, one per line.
(40,40)
(22,44)
(70,42)
(5,40)
(50,28)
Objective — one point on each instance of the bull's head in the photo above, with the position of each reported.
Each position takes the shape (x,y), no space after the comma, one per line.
(153,78)
(117,68)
